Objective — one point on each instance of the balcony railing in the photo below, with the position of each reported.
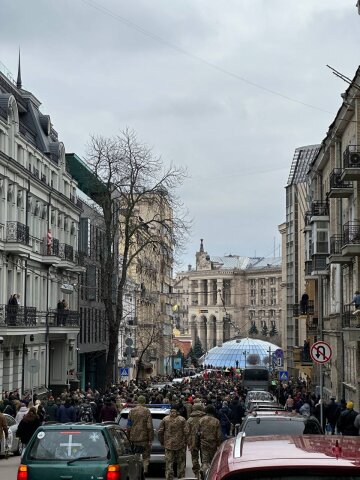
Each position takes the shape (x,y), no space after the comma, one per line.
(43,178)
(35,172)
(352,232)
(349,320)
(336,182)
(320,209)
(17,232)
(303,309)
(17,316)
(336,243)
(51,250)
(66,252)
(307,218)
(79,203)
(64,318)
(72,198)
(352,156)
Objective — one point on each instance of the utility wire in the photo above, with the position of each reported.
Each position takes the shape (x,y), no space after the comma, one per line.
(153,36)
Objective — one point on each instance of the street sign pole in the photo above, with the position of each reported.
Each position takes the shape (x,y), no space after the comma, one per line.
(321,395)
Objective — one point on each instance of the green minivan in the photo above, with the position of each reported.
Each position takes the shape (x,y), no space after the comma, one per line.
(80,451)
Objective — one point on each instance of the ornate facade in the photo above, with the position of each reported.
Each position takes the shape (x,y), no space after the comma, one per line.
(230,296)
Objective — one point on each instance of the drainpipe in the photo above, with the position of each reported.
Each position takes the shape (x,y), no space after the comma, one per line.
(47,346)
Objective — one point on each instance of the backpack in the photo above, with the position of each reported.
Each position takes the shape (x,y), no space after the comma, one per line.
(86,414)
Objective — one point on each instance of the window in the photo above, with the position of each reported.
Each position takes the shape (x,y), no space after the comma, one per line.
(273,292)
(263,292)
(253,292)
(263,301)
(272,281)
(252,302)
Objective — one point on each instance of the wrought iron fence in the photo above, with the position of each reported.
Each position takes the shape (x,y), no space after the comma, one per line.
(17,232)
(352,232)
(66,252)
(320,209)
(336,243)
(308,267)
(52,249)
(336,182)
(63,318)
(349,318)
(17,316)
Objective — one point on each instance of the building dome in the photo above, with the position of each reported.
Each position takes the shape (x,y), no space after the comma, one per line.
(246,351)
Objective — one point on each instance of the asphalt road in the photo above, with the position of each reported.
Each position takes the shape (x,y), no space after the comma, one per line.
(9,467)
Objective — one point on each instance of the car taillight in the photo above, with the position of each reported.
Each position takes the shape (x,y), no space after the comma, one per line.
(22,472)
(113,472)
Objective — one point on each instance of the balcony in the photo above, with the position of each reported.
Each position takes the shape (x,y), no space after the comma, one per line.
(351,245)
(17,237)
(312,327)
(16,316)
(319,264)
(43,178)
(51,252)
(339,188)
(308,270)
(336,253)
(349,320)
(319,212)
(351,159)
(35,172)
(299,309)
(63,319)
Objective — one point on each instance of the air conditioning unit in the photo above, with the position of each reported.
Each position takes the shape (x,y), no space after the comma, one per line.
(354,159)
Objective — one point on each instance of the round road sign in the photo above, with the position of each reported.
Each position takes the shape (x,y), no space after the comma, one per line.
(33,366)
(129,342)
(321,352)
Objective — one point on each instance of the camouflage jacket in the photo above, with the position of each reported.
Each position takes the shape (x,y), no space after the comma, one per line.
(210,432)
(193,424)
(140,425)
(173,432)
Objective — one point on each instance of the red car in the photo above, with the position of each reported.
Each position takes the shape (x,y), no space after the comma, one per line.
(285,457)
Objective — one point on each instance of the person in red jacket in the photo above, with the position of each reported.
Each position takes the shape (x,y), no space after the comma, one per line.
(108,413)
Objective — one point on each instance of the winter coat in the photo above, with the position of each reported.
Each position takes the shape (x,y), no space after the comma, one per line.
(21,414)
(237,411)
(108,413)
(225,416)
(27,427)
(51,411)
(305,410)
(345,423)
(193,424)
(66,414)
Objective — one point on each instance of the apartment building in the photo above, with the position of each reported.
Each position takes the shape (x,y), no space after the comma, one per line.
(298,327)
(332,244)
(230,296)
(39,260)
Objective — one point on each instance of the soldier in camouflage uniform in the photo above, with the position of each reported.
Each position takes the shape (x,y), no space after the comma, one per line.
(193,423)
(173,434)
(210,436)
(141,430)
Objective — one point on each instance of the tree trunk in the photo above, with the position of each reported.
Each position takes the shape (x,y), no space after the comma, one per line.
(111,359)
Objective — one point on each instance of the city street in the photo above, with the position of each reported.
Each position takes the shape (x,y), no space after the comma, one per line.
(8,469)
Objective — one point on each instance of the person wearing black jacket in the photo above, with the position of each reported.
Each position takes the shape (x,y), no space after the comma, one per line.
(28,426)
(237,410)
(345,423)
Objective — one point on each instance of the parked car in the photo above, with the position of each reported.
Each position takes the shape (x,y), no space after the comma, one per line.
(158,412)
(81,451)
(259,395)
(13,442)
(286,457)
(282,423)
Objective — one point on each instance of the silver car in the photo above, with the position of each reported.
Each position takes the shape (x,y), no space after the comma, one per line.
(14,444)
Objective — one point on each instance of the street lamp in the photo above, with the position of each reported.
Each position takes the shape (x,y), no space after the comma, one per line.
(245,353)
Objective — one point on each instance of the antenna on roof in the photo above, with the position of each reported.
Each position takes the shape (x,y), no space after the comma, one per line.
(18,81)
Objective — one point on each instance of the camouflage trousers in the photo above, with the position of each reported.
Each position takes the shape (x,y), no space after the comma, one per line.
(207,456)
(195,460)
(145,455)
(178,457)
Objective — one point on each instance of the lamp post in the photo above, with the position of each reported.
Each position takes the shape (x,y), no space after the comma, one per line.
(245,353)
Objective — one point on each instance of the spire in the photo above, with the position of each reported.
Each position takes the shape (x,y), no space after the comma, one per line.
(201,245)
(18,81)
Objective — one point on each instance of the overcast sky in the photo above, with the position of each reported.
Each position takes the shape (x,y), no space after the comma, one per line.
(174,70)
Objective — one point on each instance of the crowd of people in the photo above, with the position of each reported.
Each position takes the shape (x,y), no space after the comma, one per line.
(204,410)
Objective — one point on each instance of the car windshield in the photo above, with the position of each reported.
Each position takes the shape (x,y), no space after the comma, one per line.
(281,426)
(68,445)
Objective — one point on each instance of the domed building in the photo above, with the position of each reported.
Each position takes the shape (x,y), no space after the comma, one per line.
(245,351)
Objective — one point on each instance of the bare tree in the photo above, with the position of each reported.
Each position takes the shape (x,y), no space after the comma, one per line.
(148,343)
(141,213)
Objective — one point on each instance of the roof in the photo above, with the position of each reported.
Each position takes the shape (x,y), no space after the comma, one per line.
(303,157)
(232,351)
(229,262)
(306,451)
